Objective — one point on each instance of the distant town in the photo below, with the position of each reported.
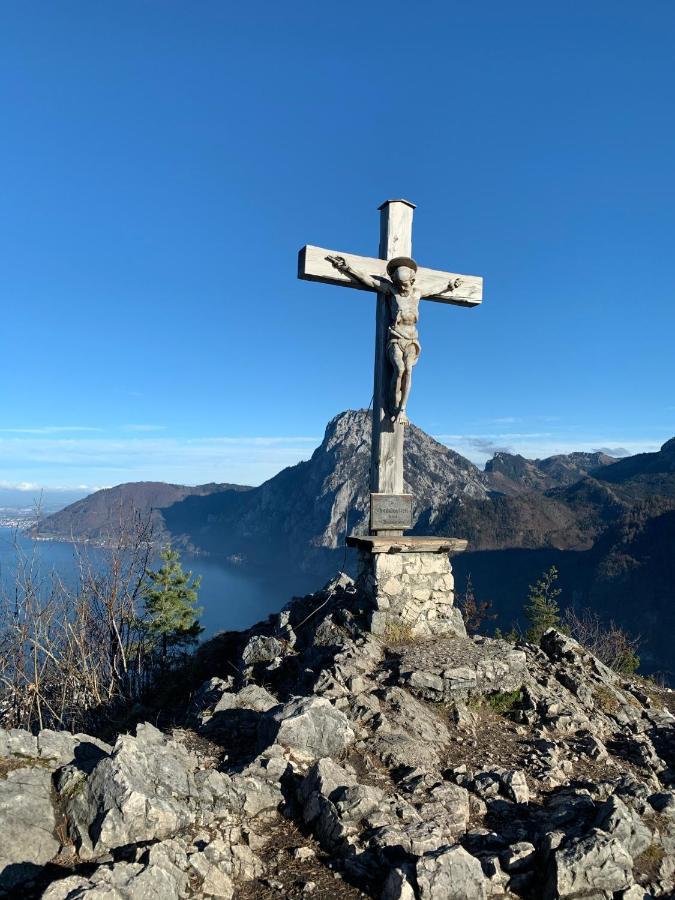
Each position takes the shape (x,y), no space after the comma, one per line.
(17,518)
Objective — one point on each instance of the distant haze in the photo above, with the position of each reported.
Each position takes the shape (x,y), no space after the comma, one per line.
(43,498)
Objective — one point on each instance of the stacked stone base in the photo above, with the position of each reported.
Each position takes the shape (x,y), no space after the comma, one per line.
(410,585)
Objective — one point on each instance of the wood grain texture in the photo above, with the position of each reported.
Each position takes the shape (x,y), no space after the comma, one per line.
(386,461)
(313,266)
(392,544)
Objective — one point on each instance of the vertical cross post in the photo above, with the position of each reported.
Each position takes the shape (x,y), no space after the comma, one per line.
(386,461)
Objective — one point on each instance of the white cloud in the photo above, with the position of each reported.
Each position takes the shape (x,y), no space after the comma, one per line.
(20,486)
(32,487)
(538,445)
(614,451)
(245,460)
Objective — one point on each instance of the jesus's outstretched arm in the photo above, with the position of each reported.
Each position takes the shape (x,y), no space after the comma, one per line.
(376,284)
(441,288)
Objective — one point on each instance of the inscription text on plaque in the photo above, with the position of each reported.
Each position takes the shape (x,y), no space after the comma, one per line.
(390,512)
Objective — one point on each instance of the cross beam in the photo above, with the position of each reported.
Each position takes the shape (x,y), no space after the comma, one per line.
(313,265)
(386,469)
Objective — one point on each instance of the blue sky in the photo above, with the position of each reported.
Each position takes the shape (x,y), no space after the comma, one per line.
(161,163)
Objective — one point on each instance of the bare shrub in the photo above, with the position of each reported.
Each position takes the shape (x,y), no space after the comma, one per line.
(611,644)
(70,655)
(475,612)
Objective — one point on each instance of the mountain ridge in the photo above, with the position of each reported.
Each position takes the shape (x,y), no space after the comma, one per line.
(101,516)
(609,532)
(511,473)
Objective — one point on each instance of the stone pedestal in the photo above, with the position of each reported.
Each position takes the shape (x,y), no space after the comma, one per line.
(410,584)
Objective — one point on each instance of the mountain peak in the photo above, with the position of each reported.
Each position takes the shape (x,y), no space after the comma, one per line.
(510,473)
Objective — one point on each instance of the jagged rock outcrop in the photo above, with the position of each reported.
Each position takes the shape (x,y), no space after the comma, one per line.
(322,759)
(27,824)
(301,515)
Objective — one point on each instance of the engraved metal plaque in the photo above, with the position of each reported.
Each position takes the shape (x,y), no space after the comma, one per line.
(390,511)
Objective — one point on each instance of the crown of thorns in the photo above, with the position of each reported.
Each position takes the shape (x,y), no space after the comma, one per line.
(400,261)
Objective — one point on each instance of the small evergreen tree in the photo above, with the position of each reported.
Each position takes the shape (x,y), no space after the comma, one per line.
(541,609)
(628,664)
(171,620)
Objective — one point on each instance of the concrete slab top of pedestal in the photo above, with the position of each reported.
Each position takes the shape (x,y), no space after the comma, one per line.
(412,544)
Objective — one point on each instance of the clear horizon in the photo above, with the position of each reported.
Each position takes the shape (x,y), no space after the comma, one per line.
(163,165)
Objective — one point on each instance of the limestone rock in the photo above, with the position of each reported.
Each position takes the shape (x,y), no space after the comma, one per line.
(518,856)
(515,786)
(52,748)
(635,893)
(323,780)
(396,749)
(625,824)
(144,791)
(217,884)
(236,715)
(357,802)
(17,742)
(219,794)
(588,866)
(58,748)
(452,669)
(260,648)
(397,886)
(309,726)
(206,697)
(664,802)
(27,823)
(451,874)
(253,696)
(161,875)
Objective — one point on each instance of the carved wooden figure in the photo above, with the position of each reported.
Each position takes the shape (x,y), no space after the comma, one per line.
(400,284)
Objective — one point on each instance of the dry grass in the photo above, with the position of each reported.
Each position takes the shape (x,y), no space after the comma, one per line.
(12,763)
(648,863)
(657,690)
(398,634)
(606,699)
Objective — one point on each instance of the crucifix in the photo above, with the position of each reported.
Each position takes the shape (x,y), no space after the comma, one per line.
(399,284)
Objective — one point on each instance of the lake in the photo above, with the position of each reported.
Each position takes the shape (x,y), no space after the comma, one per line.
(232,598)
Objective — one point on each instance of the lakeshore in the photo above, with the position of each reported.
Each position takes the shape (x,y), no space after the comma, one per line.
(231,597)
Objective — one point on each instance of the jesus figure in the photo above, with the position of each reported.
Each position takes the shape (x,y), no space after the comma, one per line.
(403,346)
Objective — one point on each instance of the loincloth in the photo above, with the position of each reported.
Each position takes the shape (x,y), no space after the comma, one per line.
(402,341)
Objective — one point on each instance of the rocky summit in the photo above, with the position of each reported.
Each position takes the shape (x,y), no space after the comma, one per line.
(322,761)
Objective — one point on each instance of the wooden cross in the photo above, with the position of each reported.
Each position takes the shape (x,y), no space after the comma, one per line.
(314,264)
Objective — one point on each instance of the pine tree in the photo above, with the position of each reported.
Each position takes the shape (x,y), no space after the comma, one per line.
(171,619)
(541,609)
